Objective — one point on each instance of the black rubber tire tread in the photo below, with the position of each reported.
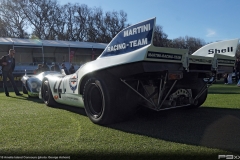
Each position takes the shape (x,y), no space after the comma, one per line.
(203,97)
(47,99)
(119,101)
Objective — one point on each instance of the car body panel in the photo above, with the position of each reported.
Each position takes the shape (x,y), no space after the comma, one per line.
(131,46)
(32,83)
(223,51)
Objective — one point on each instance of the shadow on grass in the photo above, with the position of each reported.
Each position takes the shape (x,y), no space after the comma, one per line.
(77,110)
(25,97)
(209,127)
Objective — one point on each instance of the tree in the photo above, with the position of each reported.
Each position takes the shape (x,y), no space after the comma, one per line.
(238,51)
(103,28)
(13,19)
(75,22)
(160,38)
(179,43)
(42,16)
(190,43)
(82,19)
(113,23)
(194,44)
(3,29)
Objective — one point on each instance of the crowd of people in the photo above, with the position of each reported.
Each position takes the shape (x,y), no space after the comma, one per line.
(44,67)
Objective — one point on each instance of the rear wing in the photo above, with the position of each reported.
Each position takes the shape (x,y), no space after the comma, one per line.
(222,53)
(219,56)
(135,44)
(131,39)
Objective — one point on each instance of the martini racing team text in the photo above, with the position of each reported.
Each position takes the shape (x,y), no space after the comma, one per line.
(132,43)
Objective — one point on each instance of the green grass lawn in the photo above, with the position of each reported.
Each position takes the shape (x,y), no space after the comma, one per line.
(28,127)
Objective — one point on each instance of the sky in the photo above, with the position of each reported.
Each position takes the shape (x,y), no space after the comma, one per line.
(209,20)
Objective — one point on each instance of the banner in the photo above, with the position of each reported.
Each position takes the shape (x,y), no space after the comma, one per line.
(17,79)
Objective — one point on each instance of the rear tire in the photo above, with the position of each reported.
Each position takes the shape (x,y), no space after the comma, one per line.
(47,94)
(195,92)
(107,100)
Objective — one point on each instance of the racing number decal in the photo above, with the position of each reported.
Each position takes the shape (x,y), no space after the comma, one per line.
(54,87)
(58,89)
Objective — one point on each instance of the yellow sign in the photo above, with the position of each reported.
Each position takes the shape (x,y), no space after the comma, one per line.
(15,78)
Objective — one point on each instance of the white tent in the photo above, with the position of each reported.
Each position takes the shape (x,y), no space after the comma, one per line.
(50,43)
(44,48)
(33,51)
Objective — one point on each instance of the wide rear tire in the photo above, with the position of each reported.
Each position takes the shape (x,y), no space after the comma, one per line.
(107,100)
(195,92)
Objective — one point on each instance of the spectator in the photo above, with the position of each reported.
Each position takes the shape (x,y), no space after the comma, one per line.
(71,69)
(237,69)
(65,69)
(225,76)
(229,78)
(8,66)
(55,67)
(45,67)
(39,69)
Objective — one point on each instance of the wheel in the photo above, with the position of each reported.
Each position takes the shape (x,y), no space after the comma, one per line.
(94,101)
(195,92)
(24,89)
(47,94)
(107,101)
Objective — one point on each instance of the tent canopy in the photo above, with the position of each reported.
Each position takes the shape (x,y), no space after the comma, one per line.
(51,43)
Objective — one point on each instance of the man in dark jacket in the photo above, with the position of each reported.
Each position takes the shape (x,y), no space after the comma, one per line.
(8,65)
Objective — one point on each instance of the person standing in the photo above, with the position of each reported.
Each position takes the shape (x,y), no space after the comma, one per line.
(237,70)
(55,67)
(45,67)
(65,69)
(39,69)
(229,78)
(71,69)
(8,66)
(225,76)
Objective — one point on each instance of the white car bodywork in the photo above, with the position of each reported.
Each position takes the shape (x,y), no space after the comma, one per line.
(32,83)
(133,48)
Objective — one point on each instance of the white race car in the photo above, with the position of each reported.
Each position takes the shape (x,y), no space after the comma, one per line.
(132,72)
